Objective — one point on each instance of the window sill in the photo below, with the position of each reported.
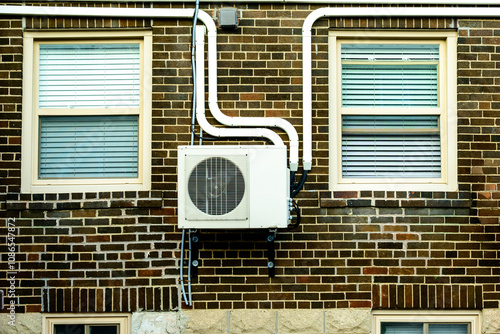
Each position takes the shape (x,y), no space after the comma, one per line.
(398,199)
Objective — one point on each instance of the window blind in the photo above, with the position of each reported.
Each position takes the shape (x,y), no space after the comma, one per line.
(402,328)
(387,75)
(88,146)
(391,146)
(81,329)
(390,52)
(89,75)
(448,329)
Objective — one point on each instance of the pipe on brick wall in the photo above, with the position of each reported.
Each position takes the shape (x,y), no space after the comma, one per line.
(200,103)
(343,2)
(343,12)
(212,70)
(245,121)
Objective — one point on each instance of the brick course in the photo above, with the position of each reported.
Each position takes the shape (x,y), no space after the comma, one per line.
(119,251)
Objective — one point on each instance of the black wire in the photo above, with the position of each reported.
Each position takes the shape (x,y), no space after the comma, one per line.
(193,67)
(297,187)
(293,181)
(296,209)
(204,138)
(266,140)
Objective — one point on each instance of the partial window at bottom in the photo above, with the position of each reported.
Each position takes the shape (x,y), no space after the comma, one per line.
(89,323)
(426,322)
(85,329)
(423,328)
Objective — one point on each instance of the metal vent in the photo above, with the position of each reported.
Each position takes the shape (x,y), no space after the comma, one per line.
(216,186)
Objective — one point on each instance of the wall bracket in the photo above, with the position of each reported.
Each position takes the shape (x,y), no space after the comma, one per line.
(271,236)
(194,247)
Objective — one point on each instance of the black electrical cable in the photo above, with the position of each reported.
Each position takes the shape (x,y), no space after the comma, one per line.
(297,187)
(232,138)
(193,133)
(188,299)
(293,181)
(297,219)
(193,66)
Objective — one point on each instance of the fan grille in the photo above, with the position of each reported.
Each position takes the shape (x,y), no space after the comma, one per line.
(216,186)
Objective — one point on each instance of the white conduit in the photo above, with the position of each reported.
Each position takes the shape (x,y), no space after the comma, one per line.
(241,121)
(364,12)
(328,2)
(212,69)
(200,103)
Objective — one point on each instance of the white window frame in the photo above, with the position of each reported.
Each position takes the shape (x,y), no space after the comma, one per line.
(447,91)
(30,182)
(472,317)
(122,320)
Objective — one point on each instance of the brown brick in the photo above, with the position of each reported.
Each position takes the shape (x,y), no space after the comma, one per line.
(342,233)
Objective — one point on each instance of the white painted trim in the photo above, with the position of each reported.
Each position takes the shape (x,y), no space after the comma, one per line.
(29,145)
(123,320)
(447,110)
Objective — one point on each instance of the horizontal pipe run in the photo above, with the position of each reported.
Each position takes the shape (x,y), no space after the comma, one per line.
(325,2)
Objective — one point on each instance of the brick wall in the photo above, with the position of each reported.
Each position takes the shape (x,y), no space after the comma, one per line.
(119,251)
(10,89)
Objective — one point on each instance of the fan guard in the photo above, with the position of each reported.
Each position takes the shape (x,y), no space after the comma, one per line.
(216,186)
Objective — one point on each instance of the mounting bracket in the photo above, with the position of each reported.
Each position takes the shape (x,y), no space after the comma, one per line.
(194,242)
(271,236)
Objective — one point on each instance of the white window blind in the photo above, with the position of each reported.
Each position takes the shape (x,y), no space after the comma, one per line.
(89,75)
(402,328)
(390,75)
(419,328)
(383,146)
(88,146)
(390,52)
(448,329)
(81,329)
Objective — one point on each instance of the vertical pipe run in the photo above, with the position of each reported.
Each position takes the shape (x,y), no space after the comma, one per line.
(200,94)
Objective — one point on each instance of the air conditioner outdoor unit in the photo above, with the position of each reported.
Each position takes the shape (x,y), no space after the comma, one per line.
(233,187)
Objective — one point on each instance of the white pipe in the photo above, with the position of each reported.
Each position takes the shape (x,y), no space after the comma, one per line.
(398,2)
(212,61)
(246,121)
(200,103)
(379,2)
(98,12)
(363,12)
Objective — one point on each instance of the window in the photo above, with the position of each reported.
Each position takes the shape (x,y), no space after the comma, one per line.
(86,324)
(86,111)
(393,110)
(426,322)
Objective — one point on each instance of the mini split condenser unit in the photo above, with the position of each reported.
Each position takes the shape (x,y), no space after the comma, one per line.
(233,187)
